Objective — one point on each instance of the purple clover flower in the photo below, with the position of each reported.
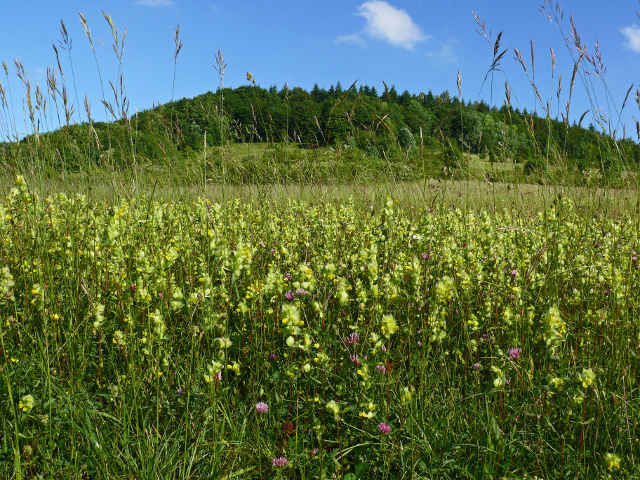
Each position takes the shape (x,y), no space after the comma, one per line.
(262,407)
(280,462)
(384,428)
(352,339)
(289,295)
(382,369)
(354,358)
(515,353)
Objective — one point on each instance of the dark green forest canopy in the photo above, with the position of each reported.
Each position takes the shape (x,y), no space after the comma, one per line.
(379,124)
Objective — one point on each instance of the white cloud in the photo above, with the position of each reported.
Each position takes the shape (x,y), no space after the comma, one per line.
(353,39)
(155,3)
(391,24)
(632,34)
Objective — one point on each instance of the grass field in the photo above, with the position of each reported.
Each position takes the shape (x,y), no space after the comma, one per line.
(319,332)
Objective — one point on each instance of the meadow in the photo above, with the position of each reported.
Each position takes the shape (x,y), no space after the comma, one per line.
(195,302)
(327,339)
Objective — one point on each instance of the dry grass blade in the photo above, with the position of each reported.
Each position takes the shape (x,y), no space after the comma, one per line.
(520,59)
(109,107)
(459,83)
(497,57)
(575,35)
(582,118)
(496,46)
(65,43)
(507,93)
(178,43)
(3,97)
(559,88)
(533,60)
(57,53)
(572,83)
(482,28)
(626,97)
(85,27)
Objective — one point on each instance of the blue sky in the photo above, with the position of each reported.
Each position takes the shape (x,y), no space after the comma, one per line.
(417,45)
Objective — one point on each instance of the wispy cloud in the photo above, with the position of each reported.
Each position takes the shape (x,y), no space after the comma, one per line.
(353,39)
(155,3)
(632,35)
(445,54)
(388,23)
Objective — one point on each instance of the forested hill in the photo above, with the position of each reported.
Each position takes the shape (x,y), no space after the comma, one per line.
(378,123)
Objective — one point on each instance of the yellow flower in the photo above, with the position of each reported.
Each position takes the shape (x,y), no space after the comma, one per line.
(333,407)
(613,461)
(389,325)
(587,377)
(26,403)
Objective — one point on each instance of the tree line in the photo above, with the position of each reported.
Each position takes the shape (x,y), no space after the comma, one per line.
(380,124)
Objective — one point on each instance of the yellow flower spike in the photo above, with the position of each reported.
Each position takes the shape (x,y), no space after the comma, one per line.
(26,403)
(613,461)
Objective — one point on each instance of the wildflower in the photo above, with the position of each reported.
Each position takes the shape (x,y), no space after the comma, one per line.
(26,403)
(384,428)
(515,352)
(272,356)
(288,427)
(407,394)
(587,377)
(613,461)
(557,382)
(280,462)
(381,368)
(99,316)
(445,289)
(389,325)
(262,407)
(352,339)
(500,380)
(301,291)
(354,359)
(476,366)
(333,407)
(289,295)
(214,372)
(313,452)
(555,328)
